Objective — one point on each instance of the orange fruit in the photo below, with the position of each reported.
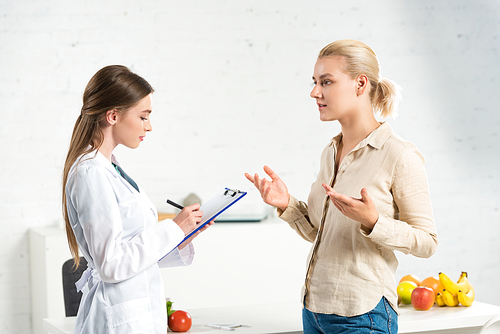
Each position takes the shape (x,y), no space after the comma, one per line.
(433,283)
(410,278)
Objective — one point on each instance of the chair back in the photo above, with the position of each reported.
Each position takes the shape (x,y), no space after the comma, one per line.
(70,276)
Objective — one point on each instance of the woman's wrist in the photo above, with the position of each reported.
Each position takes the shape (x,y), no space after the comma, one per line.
(370,223)
(285,204)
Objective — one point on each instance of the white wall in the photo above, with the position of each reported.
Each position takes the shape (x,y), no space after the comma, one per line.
(232,82)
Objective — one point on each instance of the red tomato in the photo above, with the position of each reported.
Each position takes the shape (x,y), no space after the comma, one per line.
(179,321)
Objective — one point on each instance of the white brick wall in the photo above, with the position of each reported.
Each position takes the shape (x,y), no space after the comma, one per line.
(232,81)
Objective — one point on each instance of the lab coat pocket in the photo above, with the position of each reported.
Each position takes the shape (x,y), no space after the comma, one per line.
(133,316)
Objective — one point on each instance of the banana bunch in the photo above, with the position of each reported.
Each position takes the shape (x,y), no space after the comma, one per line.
(453,293)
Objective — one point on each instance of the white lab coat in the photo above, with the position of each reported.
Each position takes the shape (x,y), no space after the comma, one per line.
(119,235)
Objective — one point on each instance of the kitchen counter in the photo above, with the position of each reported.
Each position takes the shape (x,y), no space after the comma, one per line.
(446,319)
(286,318)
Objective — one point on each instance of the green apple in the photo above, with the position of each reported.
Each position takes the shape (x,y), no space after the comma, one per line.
(404,290)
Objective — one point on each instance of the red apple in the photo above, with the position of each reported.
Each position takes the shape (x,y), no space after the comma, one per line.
(422,298)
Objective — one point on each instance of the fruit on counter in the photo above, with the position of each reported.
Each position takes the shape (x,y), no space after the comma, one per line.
(454,294)
(452,287)
(466,299)
(410,278)
(439,299)
(464,277)
(446,291)
(433,283)
(178,321)
(404,290)
(449,298)
(422,298)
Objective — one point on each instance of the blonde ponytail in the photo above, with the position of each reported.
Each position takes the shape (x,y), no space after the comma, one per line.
(385,97)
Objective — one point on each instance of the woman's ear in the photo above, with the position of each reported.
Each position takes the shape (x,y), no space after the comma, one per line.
(361,84)
(111,116)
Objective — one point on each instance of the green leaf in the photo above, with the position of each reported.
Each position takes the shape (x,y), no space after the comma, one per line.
(169,308)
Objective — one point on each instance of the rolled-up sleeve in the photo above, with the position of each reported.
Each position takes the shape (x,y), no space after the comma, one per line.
(297,217)
(414,232)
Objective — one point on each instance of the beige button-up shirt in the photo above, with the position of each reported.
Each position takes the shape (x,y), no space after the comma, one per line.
(350,268)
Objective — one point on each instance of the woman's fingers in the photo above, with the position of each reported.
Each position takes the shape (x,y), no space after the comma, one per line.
(205,227)
(194,216)
(249,177)
(185,243)
(189,217)
(339,207)
(338,197)
(343,203)
(271,173)
(263,184)
(257,182)
(274,191)
(360,209)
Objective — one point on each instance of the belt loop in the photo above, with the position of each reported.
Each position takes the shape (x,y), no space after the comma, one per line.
(83,280)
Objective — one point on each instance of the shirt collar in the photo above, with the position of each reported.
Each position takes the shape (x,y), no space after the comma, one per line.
(376,138)
(380,135)
(102,160)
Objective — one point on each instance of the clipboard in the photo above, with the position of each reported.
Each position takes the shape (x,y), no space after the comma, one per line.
(214,207)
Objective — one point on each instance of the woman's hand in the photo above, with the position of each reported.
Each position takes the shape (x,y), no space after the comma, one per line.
(185,243)
(361,210)
(273,192)
(188,218)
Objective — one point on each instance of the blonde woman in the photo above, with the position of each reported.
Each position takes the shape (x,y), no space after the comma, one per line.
(109,218)
(370,199)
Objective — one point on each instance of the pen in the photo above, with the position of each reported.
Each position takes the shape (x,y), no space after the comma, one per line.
(178,206)
(226,328)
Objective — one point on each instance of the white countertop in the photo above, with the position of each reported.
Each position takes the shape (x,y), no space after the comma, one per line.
(442,318)
(286,318)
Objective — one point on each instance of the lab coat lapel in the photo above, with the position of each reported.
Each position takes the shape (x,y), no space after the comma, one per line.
(141,196)
(100,158)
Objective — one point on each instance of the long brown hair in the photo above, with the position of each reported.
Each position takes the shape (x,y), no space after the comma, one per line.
(361,59)
(113,87)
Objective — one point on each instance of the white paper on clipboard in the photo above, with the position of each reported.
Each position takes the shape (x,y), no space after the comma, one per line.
(215,206)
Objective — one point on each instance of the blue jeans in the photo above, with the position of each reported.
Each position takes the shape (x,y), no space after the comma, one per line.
(382,319)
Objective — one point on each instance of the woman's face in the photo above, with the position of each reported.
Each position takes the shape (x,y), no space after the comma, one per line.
(130,128)
(334,90)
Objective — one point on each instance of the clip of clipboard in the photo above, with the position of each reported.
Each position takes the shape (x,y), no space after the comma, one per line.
(215,206)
